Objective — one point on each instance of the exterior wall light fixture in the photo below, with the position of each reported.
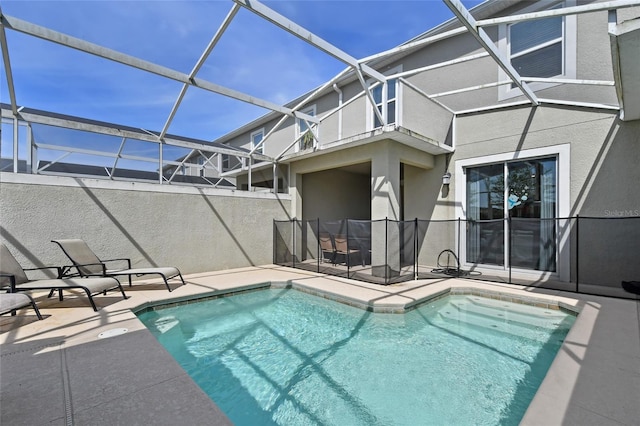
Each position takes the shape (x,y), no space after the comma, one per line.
(446,178)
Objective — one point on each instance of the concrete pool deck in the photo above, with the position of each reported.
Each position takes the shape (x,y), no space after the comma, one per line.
(58,371)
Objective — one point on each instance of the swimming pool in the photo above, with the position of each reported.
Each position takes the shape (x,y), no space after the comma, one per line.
(280,356)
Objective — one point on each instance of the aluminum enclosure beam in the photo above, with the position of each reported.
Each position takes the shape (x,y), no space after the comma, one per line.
(575,10)
(7,68)
(298,106)
(416,44)
(148,137)
(216,37)
(307,36)
(106,53)
(469,21)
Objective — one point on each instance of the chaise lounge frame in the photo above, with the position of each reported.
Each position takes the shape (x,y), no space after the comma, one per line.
(18,280)
(87,264)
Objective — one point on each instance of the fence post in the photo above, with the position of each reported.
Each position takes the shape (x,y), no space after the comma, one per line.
(577,253)
(509,244)
(273,242)
(293,255)
(319,254)
(348,252)
(386,244)
(415,248)
(458,248)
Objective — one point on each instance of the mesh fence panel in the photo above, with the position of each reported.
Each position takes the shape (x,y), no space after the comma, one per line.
(438,248)
(532,244)
(586,255)
(283,243)
(609,256)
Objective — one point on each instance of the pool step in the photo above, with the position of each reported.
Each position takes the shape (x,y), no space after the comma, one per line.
(452,320)
(523,315)
(533,311)
(483,318)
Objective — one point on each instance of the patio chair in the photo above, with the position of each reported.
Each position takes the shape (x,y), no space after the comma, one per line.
(12,275)
(87,264)
(342,248)
(327,247)
(10,302)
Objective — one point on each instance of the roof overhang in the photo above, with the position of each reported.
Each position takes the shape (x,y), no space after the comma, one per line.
(625,52)
(391,132)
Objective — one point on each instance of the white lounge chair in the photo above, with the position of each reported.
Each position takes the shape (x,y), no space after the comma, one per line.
(13,276)
(10,302)
(87,264)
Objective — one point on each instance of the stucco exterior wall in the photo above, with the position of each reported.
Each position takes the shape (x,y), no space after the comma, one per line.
(336,194)
(193,229)
(604,150)
(601,176)
(425,117)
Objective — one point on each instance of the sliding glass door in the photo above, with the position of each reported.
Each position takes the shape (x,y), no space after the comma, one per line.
(512,207)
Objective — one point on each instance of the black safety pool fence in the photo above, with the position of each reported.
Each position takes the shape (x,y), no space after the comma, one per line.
(591,255)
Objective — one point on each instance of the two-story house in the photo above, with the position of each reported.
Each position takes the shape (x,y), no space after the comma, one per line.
(517,110)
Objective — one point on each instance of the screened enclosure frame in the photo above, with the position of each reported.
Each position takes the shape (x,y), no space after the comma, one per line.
(358,69)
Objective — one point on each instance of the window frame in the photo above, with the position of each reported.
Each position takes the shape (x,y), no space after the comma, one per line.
(309,110)
(563,191)
(371,116)
(569,50)
(252,141)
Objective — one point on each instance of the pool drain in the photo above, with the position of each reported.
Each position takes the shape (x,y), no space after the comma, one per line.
(111,333)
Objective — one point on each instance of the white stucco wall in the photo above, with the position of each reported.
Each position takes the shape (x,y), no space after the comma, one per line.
(193,229)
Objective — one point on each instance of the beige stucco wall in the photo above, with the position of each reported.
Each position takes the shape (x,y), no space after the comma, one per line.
(604,151)
(385,157)
(193,229)
(336,194)
(602,173)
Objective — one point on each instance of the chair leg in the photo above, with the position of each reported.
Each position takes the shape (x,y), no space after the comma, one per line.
(166,282)
(93,304)
(35,308)
(124,296)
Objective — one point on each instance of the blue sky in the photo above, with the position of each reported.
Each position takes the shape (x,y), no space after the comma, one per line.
(253,56)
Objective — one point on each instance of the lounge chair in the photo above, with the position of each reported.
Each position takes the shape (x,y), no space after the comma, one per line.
(342,248)
(87,264)
(12,275)
(327,248)
(10,302)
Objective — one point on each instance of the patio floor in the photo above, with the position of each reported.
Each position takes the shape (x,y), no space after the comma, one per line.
(57,371)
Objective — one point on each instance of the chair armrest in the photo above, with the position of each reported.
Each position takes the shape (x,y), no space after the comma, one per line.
(42,268)
(119,260)
(65,270)
(12,280)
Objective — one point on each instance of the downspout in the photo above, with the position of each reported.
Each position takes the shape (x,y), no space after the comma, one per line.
(337,89)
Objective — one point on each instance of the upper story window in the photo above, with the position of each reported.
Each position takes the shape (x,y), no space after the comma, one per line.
(225,162)
(536,47)
(256,138)
(306,140)
(391,102)
(542,48)
(389,106)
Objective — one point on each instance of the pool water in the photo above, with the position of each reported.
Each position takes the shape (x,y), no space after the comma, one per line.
(282,357)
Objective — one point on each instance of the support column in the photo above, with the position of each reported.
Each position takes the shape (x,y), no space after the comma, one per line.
(295,190)
(385,203)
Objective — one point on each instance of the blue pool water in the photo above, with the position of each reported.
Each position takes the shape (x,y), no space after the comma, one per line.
(283,357)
